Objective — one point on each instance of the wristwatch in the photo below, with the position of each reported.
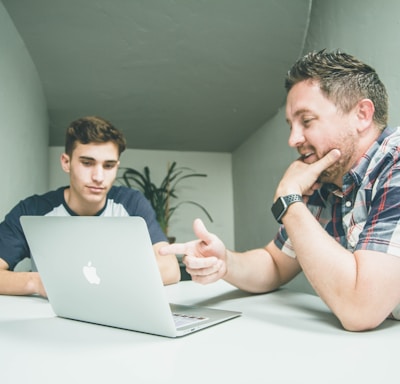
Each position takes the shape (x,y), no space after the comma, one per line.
(281,205)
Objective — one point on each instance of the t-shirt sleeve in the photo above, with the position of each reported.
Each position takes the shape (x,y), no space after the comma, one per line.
(136,204)
(13,245)
(146,211)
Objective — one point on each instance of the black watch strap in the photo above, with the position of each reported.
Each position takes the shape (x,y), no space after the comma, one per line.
(290,199)
(281,205)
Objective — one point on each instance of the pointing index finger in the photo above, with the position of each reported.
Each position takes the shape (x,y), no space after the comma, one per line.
(176,248)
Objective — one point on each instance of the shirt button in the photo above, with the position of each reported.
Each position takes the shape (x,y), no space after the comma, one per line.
(348,204)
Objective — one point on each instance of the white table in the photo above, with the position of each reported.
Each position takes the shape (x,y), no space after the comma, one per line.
(282,337)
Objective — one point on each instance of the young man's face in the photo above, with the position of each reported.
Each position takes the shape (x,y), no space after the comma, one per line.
(92,169)
(317,126)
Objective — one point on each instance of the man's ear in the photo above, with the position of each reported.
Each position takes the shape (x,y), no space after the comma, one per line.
(365,113)
(65,162)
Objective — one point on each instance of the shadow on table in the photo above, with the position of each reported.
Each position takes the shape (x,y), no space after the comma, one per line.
(288,308)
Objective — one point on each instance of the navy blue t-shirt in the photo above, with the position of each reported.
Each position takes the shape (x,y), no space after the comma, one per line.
(121,201)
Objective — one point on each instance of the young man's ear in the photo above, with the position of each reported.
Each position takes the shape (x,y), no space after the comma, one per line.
(65,162)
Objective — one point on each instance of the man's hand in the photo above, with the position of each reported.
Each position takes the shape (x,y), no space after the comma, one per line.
(205,258)
(302,178)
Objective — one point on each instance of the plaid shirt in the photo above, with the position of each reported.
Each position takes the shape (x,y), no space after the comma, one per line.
(365,214)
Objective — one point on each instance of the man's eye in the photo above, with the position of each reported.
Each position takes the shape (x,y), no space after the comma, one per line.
(86,163)
(109,166)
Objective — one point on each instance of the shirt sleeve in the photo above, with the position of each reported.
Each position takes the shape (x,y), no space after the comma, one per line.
(381,230)
(145,210)
(13,245)
(136,204)
(283,242)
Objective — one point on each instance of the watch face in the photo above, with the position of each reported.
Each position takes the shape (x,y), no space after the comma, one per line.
(278,209)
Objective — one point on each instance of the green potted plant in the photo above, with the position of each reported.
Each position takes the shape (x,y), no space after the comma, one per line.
(161,197)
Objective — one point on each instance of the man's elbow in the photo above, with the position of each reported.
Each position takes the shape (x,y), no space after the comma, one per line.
(361,322)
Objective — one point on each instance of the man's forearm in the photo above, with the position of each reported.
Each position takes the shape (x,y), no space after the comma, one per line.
(20,283)
(252,271)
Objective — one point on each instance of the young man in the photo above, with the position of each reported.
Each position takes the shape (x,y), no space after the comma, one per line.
(339,203)
(92,150)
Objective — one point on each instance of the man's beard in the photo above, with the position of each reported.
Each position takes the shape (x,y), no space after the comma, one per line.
(331,174)
(336,171)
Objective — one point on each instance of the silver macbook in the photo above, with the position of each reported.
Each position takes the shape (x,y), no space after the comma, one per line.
(103,270)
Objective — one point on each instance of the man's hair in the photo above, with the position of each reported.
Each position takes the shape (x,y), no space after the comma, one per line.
(343,79)
(92,129)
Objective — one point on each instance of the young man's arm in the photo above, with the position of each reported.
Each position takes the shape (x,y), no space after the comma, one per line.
(19,283)
(168,265)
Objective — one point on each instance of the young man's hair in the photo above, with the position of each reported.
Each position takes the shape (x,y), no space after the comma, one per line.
(92,129)
(343,79)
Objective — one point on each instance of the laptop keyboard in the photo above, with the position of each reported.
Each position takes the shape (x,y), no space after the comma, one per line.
(182,319)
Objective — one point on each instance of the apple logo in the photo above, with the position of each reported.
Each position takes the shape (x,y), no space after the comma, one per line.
(91,274)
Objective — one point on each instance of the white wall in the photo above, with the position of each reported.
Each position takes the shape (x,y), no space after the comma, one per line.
(214,192)
(365,28)
(24,123)
(258,165)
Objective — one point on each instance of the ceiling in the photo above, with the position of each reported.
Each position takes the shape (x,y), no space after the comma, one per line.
(193,75)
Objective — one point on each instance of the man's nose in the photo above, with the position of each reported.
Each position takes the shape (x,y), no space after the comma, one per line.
(296,137)
(98,173)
